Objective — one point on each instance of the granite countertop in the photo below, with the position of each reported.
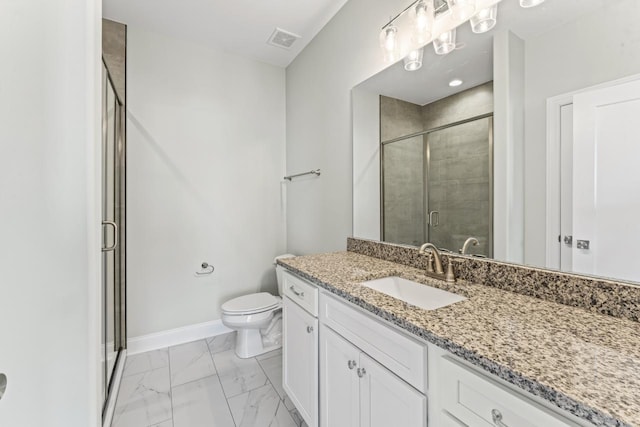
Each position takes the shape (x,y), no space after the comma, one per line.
(585,363)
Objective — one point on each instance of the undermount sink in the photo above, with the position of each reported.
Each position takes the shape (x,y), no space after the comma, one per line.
(414,293)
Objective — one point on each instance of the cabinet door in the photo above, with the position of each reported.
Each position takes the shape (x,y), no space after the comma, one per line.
(339,394)
(386,400)
(300,360)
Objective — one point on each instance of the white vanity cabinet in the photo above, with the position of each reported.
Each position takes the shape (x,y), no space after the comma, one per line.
(470,398)
(300,346)
(345,367)
(355,389)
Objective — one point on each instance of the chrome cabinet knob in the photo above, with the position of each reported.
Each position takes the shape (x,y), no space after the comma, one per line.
(497,418)
(361,372)
(309,329)
(351,364)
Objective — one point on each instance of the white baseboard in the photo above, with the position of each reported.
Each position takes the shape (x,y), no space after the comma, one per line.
(176,336)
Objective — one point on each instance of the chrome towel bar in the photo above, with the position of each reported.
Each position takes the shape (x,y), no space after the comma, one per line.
(315,172)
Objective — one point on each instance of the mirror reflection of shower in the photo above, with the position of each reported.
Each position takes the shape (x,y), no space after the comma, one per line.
(436,171)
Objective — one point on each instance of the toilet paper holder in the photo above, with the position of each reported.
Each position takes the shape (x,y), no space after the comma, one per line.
(206,268)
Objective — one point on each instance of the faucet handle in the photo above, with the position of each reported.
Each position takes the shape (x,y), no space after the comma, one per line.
(430,263)
(450,277)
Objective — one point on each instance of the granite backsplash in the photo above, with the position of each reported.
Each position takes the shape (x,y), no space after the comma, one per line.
(609,297)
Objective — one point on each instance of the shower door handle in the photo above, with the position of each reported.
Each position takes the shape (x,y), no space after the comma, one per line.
(434,218)
(115,236)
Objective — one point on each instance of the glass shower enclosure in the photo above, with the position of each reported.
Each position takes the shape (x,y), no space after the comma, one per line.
(437,186)
(113,232)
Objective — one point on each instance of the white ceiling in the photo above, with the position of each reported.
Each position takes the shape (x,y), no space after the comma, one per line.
(473,64)
(238,26)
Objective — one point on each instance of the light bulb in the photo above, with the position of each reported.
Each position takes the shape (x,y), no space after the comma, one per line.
(413,61)
(389,42)
(530,3)
(484,20)
(445,42)
(461,10)
(422,16)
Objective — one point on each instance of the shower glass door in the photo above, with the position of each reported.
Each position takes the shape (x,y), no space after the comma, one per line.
(459,192)
(437,187)
(112,231)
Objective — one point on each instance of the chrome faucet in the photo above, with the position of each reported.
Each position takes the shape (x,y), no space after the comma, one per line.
(439,271)
(470,241)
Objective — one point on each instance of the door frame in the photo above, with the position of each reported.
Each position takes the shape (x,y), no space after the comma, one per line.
(554,106)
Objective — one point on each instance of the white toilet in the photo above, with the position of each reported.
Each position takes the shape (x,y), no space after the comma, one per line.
(257,318)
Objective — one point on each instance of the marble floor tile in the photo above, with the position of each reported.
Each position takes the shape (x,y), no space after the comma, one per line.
(222,342)
(288,403)
(201,403)
(148,361)
(238,375)
(190,362)
(143,399)
(270,354)
(273,368)
(261,407)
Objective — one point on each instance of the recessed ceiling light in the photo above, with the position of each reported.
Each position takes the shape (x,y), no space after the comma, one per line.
(455,82)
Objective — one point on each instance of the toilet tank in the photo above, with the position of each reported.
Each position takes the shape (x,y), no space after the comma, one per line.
(279,270)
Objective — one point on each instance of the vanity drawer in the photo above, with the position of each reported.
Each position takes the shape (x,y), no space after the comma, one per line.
(402,355)
(301,292)
(475,400)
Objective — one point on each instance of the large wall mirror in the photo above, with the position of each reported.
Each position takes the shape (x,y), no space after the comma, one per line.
(525,138)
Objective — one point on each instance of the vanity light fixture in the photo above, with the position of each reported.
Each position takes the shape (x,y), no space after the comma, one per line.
(413,61)
(530,3)
(389,41)
(445,42)
(461,10)
(484,20)
(422,17)
(455,82)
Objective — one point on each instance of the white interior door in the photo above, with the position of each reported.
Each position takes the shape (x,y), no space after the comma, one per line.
(606,181)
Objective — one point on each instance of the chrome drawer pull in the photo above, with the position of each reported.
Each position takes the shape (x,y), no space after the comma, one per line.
(497,418)
(361,372)
(298,294)
(351,364)
(309,329)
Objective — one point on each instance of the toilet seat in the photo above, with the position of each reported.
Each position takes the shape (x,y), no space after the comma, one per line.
(251,304)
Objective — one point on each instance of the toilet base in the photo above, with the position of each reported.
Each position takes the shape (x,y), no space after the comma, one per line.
(249,344)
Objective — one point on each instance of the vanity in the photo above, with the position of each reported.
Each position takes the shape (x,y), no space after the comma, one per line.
(355,356)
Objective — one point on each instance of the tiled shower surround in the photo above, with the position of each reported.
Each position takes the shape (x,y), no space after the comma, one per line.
(609,297)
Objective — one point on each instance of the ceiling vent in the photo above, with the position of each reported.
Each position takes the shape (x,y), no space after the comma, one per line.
(282,38)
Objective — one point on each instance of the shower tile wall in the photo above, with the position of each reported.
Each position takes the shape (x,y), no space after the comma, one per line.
(459,178)
(459,185)
(403,172)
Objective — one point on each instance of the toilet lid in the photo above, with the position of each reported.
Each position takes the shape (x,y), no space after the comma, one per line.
(250,303)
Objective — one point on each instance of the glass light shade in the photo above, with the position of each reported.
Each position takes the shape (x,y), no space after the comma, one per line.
(422,17)
(530,3)
(413,61)
(389,42)
(484,20)
(445,42)
(461,10)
